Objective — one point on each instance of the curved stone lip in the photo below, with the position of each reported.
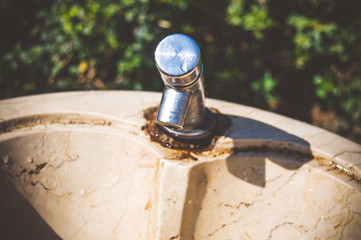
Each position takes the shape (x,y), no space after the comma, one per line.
(251,127)
(256,135)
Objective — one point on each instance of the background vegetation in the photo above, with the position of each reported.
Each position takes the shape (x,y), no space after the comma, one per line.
(300,58)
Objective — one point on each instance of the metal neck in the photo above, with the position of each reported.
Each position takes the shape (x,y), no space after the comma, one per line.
(182,112)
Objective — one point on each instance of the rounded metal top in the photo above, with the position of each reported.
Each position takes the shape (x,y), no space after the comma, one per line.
(177,55)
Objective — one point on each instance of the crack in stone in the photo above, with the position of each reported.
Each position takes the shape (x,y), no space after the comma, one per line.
(7,173)
(80,228)
(356,213)
(274,179)
(35,171)
(344,152)
(238,205)
(345,225)
(255,172)
(289,179)
(349,218)
(38,168)
(318,222)
(238,219)
(34,183)
(107,187)
(69,158)
(32,172)
(118,224)
(23,170)
(276,227)
(221,227)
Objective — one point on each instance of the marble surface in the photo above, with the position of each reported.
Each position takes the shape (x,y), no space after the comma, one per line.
(78,165)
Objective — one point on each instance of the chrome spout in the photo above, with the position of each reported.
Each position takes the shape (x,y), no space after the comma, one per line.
(182,112)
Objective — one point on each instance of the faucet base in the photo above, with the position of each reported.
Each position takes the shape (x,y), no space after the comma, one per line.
(194,135)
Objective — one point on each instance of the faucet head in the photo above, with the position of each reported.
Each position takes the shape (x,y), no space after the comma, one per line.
(182,113)
(178,60)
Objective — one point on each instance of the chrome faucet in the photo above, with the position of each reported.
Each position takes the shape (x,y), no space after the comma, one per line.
(182,112)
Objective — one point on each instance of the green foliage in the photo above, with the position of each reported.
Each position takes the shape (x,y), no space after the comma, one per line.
(266,86)
(311,38)
(254,19)
(285,56)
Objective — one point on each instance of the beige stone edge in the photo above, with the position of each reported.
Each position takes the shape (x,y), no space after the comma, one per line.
(124,110)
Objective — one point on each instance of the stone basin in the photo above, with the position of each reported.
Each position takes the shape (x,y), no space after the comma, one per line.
(79,165)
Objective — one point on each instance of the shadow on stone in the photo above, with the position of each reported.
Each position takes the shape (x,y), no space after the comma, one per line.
(18,219)
(255,138)
(254,142)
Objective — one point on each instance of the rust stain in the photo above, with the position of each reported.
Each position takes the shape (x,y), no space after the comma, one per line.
(187,149)
(45,119)
(148,205)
